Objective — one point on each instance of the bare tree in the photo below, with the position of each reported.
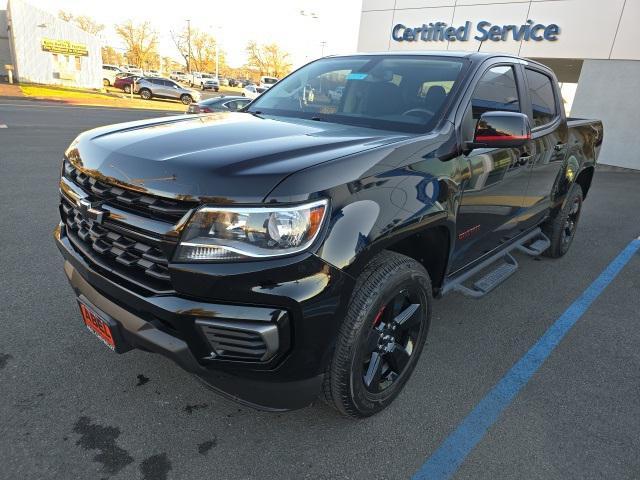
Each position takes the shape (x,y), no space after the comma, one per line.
(83,22)
(268,59)
(203,50)
(170,65)
(141,41)
(66,16)
(180,40)
(111,56)
(88,24)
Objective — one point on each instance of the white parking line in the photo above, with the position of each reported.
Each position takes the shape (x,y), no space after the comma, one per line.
(2,125)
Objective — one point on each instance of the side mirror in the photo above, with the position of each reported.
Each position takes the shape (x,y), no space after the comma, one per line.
(501,130)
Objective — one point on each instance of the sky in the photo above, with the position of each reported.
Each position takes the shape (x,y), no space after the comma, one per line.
(235,21)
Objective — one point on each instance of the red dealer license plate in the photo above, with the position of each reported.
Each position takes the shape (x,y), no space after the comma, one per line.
(98,326)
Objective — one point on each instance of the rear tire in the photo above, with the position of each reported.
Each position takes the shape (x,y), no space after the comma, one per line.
(106,82)
(145,94)
(376,350)
(186,99)
(561,229)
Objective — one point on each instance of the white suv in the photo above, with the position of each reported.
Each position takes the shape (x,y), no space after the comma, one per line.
(109,73)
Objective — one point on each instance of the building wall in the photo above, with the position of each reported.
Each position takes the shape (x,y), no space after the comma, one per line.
(28,26)
(595,29)
(608,90)
(5,51)
(601,37)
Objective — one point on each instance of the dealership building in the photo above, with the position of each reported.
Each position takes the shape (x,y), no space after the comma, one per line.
(40,48)
(592,45)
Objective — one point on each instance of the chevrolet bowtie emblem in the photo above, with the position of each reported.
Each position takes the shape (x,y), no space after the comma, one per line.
(91,210)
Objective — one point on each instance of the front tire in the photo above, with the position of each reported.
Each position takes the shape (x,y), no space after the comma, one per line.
(186,99)
(561,229)
(106,82)
(382,336)
(127,89)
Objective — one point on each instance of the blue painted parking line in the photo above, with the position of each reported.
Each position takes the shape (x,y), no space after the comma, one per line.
(451,453)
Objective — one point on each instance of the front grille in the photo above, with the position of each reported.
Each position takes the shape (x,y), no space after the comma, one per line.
(134,257)
(130,200)
(241,340)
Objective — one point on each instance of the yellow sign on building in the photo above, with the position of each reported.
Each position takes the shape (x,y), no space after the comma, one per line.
(64,47)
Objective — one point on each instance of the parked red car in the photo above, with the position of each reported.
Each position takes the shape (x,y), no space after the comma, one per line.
(124,83)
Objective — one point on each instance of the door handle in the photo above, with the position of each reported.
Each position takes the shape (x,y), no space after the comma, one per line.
(526,160)
(559,146)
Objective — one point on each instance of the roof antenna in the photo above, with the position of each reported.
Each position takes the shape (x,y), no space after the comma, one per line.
(480,46)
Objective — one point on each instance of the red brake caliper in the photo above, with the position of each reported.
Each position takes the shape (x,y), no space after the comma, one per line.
(376,321)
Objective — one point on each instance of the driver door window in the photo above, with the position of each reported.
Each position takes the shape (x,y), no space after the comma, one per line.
(496,91)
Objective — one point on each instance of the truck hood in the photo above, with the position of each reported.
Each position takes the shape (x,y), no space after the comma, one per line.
(225,157)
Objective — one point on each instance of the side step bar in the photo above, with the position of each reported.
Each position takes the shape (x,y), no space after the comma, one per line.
(533,244)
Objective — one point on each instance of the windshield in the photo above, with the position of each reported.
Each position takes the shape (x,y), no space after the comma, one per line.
(269,80)
(402,92)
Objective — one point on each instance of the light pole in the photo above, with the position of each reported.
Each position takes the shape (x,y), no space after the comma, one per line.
(217,29)
(312,16)
(189,46)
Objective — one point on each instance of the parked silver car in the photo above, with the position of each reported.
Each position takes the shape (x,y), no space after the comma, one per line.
(166,88)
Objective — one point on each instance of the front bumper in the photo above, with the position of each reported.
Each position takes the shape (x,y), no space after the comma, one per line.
(311,292)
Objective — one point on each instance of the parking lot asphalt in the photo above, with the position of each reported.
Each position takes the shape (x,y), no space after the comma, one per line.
(71,409)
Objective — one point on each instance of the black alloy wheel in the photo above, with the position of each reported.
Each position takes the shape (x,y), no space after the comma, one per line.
(392,340)
(381,337)
(561,228)
(571,222)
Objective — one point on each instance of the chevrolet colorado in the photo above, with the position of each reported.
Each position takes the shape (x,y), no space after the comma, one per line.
(294,249)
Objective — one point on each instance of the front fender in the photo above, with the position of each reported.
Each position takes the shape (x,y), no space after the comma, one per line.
(386,209)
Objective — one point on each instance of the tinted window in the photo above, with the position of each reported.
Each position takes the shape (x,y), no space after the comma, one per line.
(496,91)
(234,105)
(400,92)
(543,101)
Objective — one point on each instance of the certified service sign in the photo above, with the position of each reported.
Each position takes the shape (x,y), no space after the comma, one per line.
(440,32)
(64,47)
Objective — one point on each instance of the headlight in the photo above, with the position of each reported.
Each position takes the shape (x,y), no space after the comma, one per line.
(228,233)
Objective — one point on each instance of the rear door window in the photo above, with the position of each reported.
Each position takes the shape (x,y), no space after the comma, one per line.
(543,101)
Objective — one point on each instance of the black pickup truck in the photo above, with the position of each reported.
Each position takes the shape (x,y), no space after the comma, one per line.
(294,249)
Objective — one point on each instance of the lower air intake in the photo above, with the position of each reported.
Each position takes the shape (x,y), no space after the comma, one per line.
(241,340)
